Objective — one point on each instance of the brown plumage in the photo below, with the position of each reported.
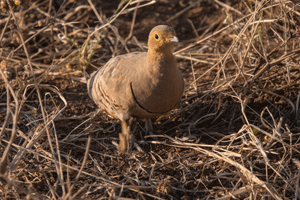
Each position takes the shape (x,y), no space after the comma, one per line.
(143,84)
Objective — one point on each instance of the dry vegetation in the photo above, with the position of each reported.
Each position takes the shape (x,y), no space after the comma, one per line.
(235,134)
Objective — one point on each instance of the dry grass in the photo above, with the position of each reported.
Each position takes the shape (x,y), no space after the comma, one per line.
(235,134)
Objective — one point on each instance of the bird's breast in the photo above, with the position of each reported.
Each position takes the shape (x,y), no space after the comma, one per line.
(158,92)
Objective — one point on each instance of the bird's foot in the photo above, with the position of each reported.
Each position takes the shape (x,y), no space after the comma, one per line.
(124,143)
(152,134)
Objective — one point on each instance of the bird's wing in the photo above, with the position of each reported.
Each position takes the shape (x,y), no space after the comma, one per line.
(109,86)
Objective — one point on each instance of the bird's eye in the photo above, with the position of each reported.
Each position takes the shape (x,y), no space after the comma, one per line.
(156,37)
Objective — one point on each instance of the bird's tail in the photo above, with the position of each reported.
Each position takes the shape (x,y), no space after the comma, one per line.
(88,79)
(89,82)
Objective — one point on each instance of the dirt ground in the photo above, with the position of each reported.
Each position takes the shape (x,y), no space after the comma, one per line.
(234,135)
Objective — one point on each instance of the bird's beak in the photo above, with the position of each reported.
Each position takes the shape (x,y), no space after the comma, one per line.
(174,39)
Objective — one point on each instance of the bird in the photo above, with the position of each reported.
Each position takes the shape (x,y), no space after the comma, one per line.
(139,84)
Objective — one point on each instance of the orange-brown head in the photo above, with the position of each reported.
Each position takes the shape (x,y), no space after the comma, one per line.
(161,38)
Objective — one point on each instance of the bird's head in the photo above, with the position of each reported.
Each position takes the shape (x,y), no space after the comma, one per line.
(162,38)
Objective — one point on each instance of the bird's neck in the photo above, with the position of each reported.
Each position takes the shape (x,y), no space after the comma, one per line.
(161,59)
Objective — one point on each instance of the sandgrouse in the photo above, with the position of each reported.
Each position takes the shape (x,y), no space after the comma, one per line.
(140,84)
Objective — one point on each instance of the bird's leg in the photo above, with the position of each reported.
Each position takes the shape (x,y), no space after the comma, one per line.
(148,125)
(149,128)
(124,136)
